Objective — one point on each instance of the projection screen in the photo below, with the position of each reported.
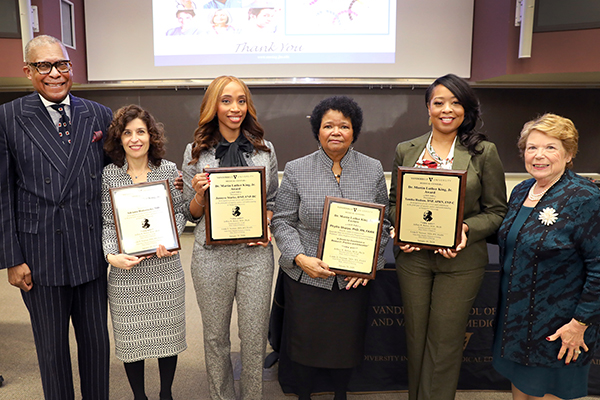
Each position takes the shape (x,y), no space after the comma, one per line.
(299,39)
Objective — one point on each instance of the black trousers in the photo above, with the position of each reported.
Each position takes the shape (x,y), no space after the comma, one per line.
(51,308)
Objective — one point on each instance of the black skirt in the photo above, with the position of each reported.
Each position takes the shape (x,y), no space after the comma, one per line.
(325,328)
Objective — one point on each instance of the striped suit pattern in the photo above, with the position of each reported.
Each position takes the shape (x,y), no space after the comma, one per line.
(51,220)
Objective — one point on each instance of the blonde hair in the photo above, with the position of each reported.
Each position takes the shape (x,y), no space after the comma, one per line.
(555,126)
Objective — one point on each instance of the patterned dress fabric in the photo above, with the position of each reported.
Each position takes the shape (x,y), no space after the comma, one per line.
(147,303)
(567,382)
(555,272)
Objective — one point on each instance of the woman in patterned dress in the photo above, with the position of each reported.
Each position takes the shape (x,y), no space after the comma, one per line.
(438,287)
(547,329)
(146,294)
(229,135)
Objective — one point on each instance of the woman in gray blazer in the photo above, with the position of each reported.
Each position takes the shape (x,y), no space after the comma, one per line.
(322,334)
(229,135)
(438,287)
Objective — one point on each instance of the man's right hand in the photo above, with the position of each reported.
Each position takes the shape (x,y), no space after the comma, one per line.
(20,276)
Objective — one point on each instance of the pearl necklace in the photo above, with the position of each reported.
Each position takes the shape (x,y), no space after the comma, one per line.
(536,197)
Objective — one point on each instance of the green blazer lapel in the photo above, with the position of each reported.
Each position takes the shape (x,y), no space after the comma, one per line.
(414,151)
(461,157)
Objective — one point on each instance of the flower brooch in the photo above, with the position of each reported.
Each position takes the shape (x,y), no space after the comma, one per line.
(548,216)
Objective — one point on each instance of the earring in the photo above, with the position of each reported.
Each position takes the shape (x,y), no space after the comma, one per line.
(429,121)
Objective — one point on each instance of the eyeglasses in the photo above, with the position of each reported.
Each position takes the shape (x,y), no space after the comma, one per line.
(45,67)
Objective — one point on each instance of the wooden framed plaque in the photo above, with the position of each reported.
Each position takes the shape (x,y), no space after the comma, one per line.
(350,236)
(144,218)
(429,207)
(235,205)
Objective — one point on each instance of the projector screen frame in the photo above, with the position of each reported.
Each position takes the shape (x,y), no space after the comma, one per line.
(432,40)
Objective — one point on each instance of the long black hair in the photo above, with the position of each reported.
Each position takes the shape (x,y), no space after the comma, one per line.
(467,134)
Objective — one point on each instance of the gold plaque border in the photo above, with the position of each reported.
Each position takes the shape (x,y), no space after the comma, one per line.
(325,223)
(263,192)
(173,226)
(460,174)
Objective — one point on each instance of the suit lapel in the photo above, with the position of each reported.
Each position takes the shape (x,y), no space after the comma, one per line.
(38,126)
(80,141)
(461,157)
(416,148)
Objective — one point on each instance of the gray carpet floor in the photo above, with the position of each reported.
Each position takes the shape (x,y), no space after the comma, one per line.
(18,363)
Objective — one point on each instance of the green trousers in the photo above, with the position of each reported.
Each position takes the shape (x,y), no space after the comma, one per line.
(437,302)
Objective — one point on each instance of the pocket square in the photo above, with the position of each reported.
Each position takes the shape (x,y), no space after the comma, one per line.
(97,136)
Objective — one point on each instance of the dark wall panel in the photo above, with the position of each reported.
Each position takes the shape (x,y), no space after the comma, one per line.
(392,115)
(506,110)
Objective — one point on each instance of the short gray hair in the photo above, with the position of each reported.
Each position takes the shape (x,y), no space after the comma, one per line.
(42,40)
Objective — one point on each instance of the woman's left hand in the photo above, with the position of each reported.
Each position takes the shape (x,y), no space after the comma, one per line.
(450,253)
(571,335)
(162,251)
(354,282)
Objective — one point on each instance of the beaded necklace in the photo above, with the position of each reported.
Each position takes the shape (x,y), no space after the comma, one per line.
(536,197)
(443,163)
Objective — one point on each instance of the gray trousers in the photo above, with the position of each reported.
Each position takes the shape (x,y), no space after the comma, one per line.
(221,274)
(436,303)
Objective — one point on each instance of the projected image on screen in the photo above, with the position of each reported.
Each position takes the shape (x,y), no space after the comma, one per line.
(222,32)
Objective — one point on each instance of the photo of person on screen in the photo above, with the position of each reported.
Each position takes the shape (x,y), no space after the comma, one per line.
(186,4)
(220,23)
(186,24)
(223,4)
(262,17)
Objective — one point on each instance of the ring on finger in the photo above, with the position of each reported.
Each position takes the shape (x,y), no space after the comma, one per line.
(577,351)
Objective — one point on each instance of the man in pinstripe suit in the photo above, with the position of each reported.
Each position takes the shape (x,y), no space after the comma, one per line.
(51,161)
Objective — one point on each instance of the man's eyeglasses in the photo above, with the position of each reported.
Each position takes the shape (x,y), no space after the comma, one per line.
(44,67)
